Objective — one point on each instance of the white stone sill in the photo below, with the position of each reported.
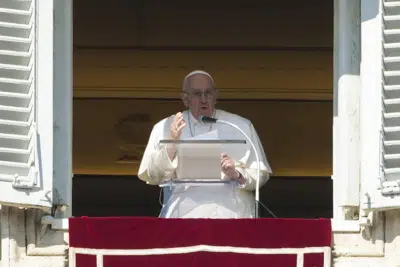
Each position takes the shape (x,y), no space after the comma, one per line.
(342,226)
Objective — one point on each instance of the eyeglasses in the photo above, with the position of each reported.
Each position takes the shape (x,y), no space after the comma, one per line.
(200,94)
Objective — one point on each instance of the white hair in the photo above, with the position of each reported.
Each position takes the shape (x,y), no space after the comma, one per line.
(185,80)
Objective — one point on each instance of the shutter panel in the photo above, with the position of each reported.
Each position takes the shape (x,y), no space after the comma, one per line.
(391,99)
(17,133)
(387,193)
(22,181)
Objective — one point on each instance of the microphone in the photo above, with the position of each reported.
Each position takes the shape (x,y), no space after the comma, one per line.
(205,119)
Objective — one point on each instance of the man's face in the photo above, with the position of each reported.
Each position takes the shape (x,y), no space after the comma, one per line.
(200,96)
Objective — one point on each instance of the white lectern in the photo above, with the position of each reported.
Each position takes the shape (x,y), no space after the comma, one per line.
(199,161)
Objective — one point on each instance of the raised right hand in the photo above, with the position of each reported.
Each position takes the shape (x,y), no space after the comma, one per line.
(177,125)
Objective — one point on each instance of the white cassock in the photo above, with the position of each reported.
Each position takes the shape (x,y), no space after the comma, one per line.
(217,201)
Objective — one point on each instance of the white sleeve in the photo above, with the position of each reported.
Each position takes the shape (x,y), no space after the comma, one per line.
(249,169)
(156,165)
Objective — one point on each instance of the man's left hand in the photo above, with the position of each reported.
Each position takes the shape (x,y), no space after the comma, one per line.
(228,167)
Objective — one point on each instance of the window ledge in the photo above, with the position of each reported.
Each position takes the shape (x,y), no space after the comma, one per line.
(338,226)
(56,224)
(344,226)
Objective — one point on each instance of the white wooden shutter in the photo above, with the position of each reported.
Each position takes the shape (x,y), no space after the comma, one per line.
(391,99)
(387,195)
(26,117)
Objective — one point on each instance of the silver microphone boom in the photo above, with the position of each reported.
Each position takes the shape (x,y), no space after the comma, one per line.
(205,119)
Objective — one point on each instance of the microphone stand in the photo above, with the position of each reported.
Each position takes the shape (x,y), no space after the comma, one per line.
(204,119)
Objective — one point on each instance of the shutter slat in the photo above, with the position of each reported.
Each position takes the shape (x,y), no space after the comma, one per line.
(15,58)
(15,127)
(15,29)
(4,123)
(15,40)
(16,155)
(392,119)
(386,59)
(15,85)
(392,77)
(16,68)
(14,26)
(15,81)
(391,8)
(15,11)
(15,168)
(18,5)
(20,112)
(392,50)
(15,141)
(392,35)
(391,22)
(17,90)
(14,44)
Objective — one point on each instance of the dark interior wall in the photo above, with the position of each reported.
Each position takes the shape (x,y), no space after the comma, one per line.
(287,197)
(222,23)
(254,49)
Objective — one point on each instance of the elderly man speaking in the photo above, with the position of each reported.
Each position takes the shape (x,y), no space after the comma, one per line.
(159,163)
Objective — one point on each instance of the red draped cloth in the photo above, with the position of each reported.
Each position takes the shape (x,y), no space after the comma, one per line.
(150,233)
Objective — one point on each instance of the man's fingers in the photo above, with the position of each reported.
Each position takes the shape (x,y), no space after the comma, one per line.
(180,127)
(227,163)
(179,120)
(224,165)
(227,160)
(178,116)
(177,125)
(224,159)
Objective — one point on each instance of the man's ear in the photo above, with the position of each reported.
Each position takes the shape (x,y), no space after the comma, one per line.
(216,96)
(185,99)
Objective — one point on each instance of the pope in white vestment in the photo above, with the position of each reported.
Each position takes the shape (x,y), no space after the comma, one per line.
(238,164)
